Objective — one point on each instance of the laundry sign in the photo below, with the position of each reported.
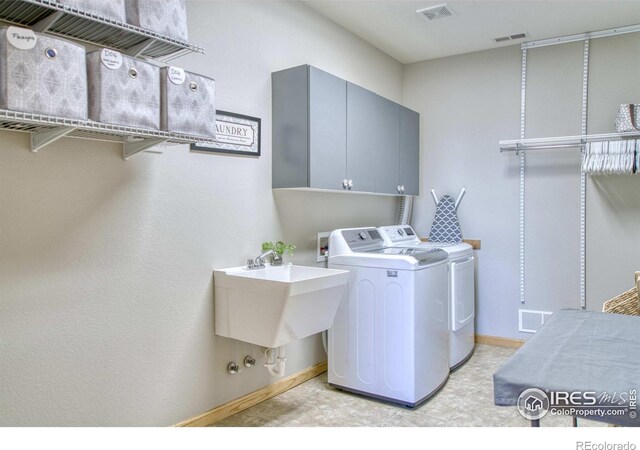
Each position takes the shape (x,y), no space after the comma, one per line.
(235,133)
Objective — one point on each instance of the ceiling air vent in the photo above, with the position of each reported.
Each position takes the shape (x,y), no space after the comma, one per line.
(513,37)
(436,12)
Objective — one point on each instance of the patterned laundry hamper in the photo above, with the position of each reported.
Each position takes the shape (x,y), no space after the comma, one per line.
(626,303)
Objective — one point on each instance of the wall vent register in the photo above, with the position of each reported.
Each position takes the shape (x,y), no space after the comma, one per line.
(512,37)
(436,12)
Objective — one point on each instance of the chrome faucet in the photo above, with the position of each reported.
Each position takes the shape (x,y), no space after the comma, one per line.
(258,262)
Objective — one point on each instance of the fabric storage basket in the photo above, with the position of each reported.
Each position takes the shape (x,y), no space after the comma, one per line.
(107,9)
(167,17)
(41,74)
(123,90)
(628,118)
(188,102)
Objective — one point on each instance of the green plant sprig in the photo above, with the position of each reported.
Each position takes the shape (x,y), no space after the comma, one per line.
(279,247)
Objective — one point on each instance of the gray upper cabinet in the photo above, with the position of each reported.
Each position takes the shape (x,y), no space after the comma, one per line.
(331,134)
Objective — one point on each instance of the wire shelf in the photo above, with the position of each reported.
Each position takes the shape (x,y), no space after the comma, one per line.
(62,20)
(46,129)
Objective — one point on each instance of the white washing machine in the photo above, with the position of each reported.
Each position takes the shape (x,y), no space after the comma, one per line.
(461,288)
(389,339)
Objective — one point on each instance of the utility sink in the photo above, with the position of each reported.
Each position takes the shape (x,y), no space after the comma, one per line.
(278,304)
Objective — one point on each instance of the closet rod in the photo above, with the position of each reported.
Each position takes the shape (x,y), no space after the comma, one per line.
(539,147)
(563,141)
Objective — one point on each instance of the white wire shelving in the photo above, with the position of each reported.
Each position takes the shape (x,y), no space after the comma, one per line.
(47,129)
(517,145)
(48,16)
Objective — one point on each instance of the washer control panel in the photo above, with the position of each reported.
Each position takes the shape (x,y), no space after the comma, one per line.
(398,233)
(363,239)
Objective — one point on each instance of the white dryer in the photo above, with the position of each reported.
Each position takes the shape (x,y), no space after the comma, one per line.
(389,338)
(461,287)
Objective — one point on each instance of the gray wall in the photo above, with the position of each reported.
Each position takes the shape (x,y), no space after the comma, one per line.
(106,299)
(469,103)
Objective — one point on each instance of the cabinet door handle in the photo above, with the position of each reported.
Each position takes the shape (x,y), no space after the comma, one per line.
(345,183)
(350,183)
(398,189)
(402,188)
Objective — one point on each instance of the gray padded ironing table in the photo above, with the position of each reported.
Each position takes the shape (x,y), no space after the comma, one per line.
(576,351)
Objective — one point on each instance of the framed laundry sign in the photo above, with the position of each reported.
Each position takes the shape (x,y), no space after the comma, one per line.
(235,133)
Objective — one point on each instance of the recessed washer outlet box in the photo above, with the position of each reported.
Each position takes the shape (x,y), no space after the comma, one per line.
(322,246)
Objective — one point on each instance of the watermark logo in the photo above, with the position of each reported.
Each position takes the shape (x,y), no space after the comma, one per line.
(590,445)
(533,404)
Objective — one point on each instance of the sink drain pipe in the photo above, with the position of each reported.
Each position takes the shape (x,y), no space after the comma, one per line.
(275,364)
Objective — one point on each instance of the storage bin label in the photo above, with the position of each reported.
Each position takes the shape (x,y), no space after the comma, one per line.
(21,38)
(111,59)
(176,75)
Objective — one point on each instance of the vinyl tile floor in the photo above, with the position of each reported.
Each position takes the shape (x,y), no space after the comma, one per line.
(466,400)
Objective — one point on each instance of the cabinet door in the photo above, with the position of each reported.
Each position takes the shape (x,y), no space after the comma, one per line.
(290,93)
(388,167)
(327,130)
(409,151)
(369,119)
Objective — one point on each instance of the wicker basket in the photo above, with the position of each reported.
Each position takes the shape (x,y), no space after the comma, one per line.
(626,303)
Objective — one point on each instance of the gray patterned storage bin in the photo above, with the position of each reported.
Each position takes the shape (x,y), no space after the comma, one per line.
(108,9)
(167,17)
(49,78)
(123,90)
(188,102)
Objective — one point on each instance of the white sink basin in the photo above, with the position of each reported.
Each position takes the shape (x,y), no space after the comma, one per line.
(278,304)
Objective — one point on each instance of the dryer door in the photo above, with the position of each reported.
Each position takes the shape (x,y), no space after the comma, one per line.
(462,293)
